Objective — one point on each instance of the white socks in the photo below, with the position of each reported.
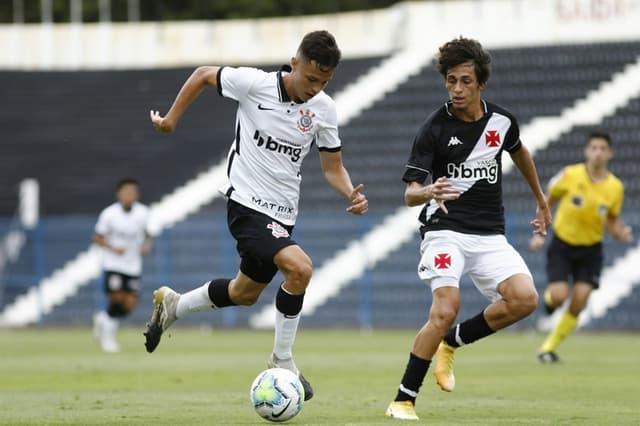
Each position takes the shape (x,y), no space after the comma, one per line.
(285,335)
(194,301)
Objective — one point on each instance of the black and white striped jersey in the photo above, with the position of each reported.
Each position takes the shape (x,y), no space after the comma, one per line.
(469,155)
(273,136)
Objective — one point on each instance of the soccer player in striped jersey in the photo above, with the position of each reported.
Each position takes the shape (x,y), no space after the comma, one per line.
(280,116)
(589,198)
(455,171)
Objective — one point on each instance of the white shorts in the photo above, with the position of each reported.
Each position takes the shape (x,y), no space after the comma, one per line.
(489,260)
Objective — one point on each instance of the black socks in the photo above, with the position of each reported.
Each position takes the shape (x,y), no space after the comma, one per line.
(219,293)
(413,377)
(468,331)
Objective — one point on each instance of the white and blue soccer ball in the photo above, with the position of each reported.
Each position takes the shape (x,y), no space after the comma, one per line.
(277,394)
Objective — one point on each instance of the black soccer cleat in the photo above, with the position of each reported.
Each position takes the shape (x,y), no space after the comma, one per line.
(548,358)
(152,336)
(308,390)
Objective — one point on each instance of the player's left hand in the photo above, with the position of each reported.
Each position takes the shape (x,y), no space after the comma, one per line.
(359,204)
(542,220)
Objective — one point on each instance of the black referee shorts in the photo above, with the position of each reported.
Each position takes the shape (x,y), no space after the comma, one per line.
(582,263)
(258,237)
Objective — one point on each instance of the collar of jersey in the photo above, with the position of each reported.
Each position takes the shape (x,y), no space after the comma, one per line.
(282,93)
(448,104)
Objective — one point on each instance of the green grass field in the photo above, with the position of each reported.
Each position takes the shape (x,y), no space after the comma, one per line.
(59,376)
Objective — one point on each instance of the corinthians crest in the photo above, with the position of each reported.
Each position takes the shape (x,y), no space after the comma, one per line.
(305,122)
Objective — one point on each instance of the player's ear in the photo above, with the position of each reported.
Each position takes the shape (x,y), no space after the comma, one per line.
(294,62)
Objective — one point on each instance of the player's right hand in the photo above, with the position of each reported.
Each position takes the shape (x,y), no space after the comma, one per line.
(160,123)
(442,190)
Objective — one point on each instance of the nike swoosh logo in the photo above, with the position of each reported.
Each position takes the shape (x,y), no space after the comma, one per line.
(260,107)
(276,415)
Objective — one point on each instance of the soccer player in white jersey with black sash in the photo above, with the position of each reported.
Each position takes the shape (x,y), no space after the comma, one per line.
(455,170)
(121,231)
(280,116)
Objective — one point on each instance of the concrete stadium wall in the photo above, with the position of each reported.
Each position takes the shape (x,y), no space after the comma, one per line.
(496,23)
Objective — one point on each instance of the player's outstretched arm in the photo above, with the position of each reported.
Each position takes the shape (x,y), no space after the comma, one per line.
(524,162)
(338,177)
(537,240)
(199,79)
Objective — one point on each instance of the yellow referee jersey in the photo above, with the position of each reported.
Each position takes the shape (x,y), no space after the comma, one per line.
(584,205)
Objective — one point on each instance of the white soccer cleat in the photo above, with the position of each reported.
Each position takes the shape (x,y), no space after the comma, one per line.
(109,345)
(165,302)
(104,330)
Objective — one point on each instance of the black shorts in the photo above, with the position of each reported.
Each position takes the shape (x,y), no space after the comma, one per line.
(117,281)
(259,237)
(582,263)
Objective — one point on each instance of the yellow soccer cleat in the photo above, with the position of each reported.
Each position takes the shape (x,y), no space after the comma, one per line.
(402,410)
(444,368)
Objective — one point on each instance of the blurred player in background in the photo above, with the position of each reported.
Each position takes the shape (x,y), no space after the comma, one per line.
(589,197)
(121,231)
(455,170)
(280,116)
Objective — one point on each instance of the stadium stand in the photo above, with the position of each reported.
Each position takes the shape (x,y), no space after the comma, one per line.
(128,150)
(376,145)
(97,128)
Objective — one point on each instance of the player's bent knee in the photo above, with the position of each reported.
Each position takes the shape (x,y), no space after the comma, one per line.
(526,303)
(300,275)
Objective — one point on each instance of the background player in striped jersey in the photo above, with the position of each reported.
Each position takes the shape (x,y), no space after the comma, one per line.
(121,231)
(280,116)
(589,197)
(455,170)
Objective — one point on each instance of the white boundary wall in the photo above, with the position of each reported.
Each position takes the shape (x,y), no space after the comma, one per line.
(359,34)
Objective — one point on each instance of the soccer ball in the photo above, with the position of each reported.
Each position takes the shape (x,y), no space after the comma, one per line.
(277,394)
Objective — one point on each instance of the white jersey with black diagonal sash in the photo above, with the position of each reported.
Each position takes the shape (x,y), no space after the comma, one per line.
(469,155)
(273,135)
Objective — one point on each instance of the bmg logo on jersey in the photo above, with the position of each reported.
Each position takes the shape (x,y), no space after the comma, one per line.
(474,170)
(271,144)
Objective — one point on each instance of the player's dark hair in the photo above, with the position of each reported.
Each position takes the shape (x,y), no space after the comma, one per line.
(462,50)
(126,181)
(320,46)
(599,134)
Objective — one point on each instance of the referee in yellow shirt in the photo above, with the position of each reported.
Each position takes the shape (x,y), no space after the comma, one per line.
(589,197)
